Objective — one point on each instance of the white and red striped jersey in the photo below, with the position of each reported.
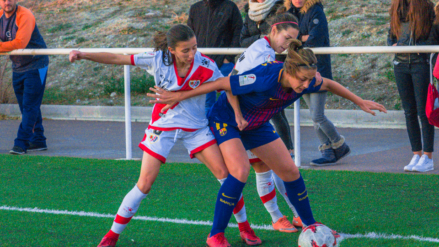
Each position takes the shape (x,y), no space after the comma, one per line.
(258,53)
(189,114)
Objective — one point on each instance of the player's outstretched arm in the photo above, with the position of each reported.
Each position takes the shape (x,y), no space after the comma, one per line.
(162,96)
(365,105)
(101,57)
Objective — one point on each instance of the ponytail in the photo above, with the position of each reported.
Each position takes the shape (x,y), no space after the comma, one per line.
(298,58)
(163,40)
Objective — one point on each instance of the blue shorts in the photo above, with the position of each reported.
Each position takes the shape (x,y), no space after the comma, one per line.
(250,138)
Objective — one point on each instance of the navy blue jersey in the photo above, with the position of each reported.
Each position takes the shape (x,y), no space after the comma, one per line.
(260,95)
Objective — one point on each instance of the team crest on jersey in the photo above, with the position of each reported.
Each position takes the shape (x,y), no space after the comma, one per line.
(223,131)
(247,79)
(194,83)
(153,138)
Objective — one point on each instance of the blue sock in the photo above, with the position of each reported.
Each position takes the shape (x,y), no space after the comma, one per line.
(226,201)
(298,196)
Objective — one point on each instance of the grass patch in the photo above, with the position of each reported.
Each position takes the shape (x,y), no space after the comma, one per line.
(350,202)
(139,84)
(59,27)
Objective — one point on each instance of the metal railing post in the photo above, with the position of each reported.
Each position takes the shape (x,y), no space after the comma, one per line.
(297,158)
(127,82)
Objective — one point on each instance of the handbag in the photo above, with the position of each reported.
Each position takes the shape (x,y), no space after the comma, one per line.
(432,107)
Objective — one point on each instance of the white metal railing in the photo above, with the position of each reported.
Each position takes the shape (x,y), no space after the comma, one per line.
(227,51)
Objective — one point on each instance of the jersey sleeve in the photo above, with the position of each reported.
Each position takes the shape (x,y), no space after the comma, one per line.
(312,88)
(25,22)
(258,79)
(144,60)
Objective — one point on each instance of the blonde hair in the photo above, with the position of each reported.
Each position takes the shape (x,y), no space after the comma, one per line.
(299,58)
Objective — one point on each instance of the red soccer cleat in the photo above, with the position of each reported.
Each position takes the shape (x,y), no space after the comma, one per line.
(297,222)
(248,235)
(217,240)
(283,225)
(108,242)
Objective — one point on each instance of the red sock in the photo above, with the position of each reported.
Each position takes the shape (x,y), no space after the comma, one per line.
(244,226)
(112,234)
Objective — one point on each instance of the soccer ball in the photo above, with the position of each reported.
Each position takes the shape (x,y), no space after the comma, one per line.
(318,235)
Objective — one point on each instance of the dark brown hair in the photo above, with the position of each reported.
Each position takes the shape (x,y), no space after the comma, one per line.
(163,40)
(299,58)
(283,16)
(417,12)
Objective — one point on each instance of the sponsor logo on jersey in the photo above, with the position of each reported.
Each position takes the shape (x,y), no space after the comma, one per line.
(247,79)
(153,138)
(274,99)
(242,57)
(157,132)
(268,58)
(194,83)
(205,62)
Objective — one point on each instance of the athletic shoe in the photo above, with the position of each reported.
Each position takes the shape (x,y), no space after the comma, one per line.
(413,162)
(17,150)
(284,225)
(108,242)
(341,149)
(217,240)
(328,156)
(424,165)
(249,237)
(297,222)
(36,147)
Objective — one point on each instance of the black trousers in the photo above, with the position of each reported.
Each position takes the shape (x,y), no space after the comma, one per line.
(282,127)
(412,81)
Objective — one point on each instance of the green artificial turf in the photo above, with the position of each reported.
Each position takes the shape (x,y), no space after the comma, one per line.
(349,202)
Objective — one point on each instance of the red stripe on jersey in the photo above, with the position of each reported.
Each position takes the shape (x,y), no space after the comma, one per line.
(268,197)
(156,111)
(254,160)
(181,80)
(171,128)
(153,154)
(207,57)
(122,220)
(132,60)
(201,148)
(201,75)
(268,40)
(239,206)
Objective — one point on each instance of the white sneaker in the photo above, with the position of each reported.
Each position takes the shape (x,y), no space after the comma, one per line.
(424,165)
(413,163)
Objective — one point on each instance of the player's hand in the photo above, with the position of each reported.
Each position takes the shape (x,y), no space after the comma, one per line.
(319,78)
(162,96)
(74,55)
(368,106)
(242,123)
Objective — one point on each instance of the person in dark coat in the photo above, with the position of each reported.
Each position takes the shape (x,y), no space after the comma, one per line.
(216,23)
(314,33)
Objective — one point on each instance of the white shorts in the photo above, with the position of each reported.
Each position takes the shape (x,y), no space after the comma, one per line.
(158,143)
(252,158)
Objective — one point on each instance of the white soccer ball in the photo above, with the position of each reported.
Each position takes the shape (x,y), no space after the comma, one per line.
(319,235)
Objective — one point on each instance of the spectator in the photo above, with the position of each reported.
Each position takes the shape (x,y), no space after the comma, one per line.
(18,30)
(410,25)
(216,23)
(256,27)
(314,33)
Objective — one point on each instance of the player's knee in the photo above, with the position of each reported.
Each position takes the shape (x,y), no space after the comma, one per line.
(144,186)
(241,173)
(260,167)
(221,173)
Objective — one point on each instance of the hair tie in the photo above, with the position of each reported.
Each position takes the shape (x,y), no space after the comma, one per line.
(292,22)
(297,48)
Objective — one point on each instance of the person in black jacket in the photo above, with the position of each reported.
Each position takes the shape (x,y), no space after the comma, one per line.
(216,23)
(410,25)
(314,33)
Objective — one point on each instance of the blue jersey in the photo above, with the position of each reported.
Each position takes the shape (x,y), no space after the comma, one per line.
(260,95)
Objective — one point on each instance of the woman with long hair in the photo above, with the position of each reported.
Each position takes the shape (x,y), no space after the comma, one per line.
(263,92)
(177,66)
(410,25)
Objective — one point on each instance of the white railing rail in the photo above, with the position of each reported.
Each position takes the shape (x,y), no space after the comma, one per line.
(227,51)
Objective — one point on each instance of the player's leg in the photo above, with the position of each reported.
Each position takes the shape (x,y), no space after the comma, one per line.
(267,193)
(297,222)
(211,156)
(156,146)
(277,157)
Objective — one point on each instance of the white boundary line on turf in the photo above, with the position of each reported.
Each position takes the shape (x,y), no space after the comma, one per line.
(371,235)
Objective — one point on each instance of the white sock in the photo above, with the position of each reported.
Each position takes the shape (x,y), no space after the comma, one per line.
(239,210)
(127,209)
(265,186)
(281,188)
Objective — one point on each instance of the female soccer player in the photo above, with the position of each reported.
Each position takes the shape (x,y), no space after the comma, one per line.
(263,92)
(177,66)
(283,29)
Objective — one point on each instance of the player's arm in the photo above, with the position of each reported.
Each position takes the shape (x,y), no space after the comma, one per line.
(365,105)
(234,102)
(101,57)
(26,25)
(162,96)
